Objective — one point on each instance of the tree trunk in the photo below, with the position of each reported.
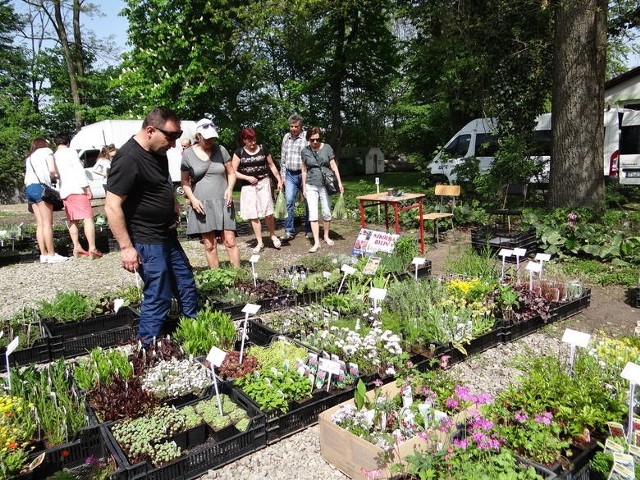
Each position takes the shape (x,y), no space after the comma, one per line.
(72,55)
(577,166)
(335,85)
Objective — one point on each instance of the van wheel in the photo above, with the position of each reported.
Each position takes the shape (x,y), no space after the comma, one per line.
(179,190)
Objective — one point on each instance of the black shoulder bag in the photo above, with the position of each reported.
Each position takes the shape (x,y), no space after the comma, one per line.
(329,179)
(49,194)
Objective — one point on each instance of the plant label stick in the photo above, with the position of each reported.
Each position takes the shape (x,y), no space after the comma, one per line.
(532,267)
(249,309)
(331,367)
(417,261)
(575,338)
(504,253)
(254,259)
(631,372)
(215,358)
(542,257)
(10,348)
(117,304)
(347,270)
(519,252)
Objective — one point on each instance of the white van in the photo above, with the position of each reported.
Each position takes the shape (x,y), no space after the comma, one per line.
(629,158)
(477,139)
(91,138)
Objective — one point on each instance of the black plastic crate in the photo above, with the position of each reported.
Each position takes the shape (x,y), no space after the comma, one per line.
(124,317)
(494,240)
(215,452)
(90,443)
(259,333)
(568,309)
(63,347)
(512,331)
(423,272)
(39,352)
(485,341)
(303,415)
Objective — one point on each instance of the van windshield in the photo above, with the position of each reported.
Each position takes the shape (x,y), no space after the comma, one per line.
(630,140)
(486,145)
(459,146)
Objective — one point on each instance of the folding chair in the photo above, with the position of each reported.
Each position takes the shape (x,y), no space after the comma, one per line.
(451,192)
(514,201)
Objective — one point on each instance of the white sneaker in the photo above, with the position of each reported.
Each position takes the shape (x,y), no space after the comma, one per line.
(44,259)
(56,258)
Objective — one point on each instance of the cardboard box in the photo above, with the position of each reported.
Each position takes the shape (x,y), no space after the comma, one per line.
(354,456)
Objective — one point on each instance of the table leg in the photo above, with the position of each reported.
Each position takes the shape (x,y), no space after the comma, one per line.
(363,222)
(386,216)
(421,224)
(396,217)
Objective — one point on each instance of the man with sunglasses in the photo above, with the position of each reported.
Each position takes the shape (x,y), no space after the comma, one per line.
(143,212)
(291,173)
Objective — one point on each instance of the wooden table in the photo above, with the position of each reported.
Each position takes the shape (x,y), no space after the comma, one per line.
(395,202)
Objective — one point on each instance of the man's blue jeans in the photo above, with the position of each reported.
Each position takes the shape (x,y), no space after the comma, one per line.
(165,271)
(293,185)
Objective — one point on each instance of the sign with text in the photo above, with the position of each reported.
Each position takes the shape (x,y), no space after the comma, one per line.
(372,241)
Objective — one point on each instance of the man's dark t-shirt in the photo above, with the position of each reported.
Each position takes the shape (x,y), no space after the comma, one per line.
(144,178)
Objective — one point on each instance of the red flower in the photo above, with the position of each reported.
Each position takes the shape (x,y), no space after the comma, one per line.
(65,453)
(13,445)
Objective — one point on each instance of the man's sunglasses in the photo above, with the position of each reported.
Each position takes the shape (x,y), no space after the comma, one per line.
(171,136)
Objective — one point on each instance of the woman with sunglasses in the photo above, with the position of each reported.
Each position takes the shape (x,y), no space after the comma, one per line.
(208,179)
(314,156)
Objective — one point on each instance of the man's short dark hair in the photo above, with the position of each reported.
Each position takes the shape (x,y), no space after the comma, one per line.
(159,116)
(62,139)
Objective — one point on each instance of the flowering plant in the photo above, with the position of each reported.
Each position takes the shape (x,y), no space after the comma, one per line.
(535,436)
(12,437)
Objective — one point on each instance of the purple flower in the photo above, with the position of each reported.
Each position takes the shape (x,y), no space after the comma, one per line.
(521,416)
(544,418)
(463,393)
(483,399)
(451,403)
(377,382)
(572,217)
(461,443)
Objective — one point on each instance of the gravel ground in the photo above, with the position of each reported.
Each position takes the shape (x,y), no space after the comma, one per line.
(299,455)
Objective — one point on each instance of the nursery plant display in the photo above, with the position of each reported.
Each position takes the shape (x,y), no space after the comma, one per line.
(209,328)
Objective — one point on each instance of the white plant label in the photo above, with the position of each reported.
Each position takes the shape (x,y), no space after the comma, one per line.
(505,252)
(534,267)
(519,252)
(329,366)
(378,293)
(574,337)
(117,304)
(377,180)
(542,257)
(254,258)
(631,372)
(216,356)
(418,261)
(12,346)
(251,308)
(347,269)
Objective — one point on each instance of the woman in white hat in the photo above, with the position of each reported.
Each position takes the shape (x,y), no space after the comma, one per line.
(208,179)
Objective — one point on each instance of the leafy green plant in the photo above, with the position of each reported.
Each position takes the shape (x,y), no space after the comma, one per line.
(67,307)
(23,324)
(471,264)
(209,328)
(273,389)
(100,367)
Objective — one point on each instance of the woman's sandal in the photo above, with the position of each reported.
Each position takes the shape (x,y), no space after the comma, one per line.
(258,248)
(276,242)
(314,249)
(329,242)
(95,254)
(80,253)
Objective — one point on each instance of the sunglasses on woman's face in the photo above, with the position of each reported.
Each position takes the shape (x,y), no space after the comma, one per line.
(313,140)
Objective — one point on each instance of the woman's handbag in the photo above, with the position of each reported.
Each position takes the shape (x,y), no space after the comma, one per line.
(52,197)
(329,180)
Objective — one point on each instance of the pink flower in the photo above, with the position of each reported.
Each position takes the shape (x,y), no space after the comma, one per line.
(521,416)
(372,473)
(461,443)
(444,361)
(378,383)
(451,403)
(544,419)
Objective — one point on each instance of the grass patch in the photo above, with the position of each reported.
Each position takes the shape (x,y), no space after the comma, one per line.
(600,273)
